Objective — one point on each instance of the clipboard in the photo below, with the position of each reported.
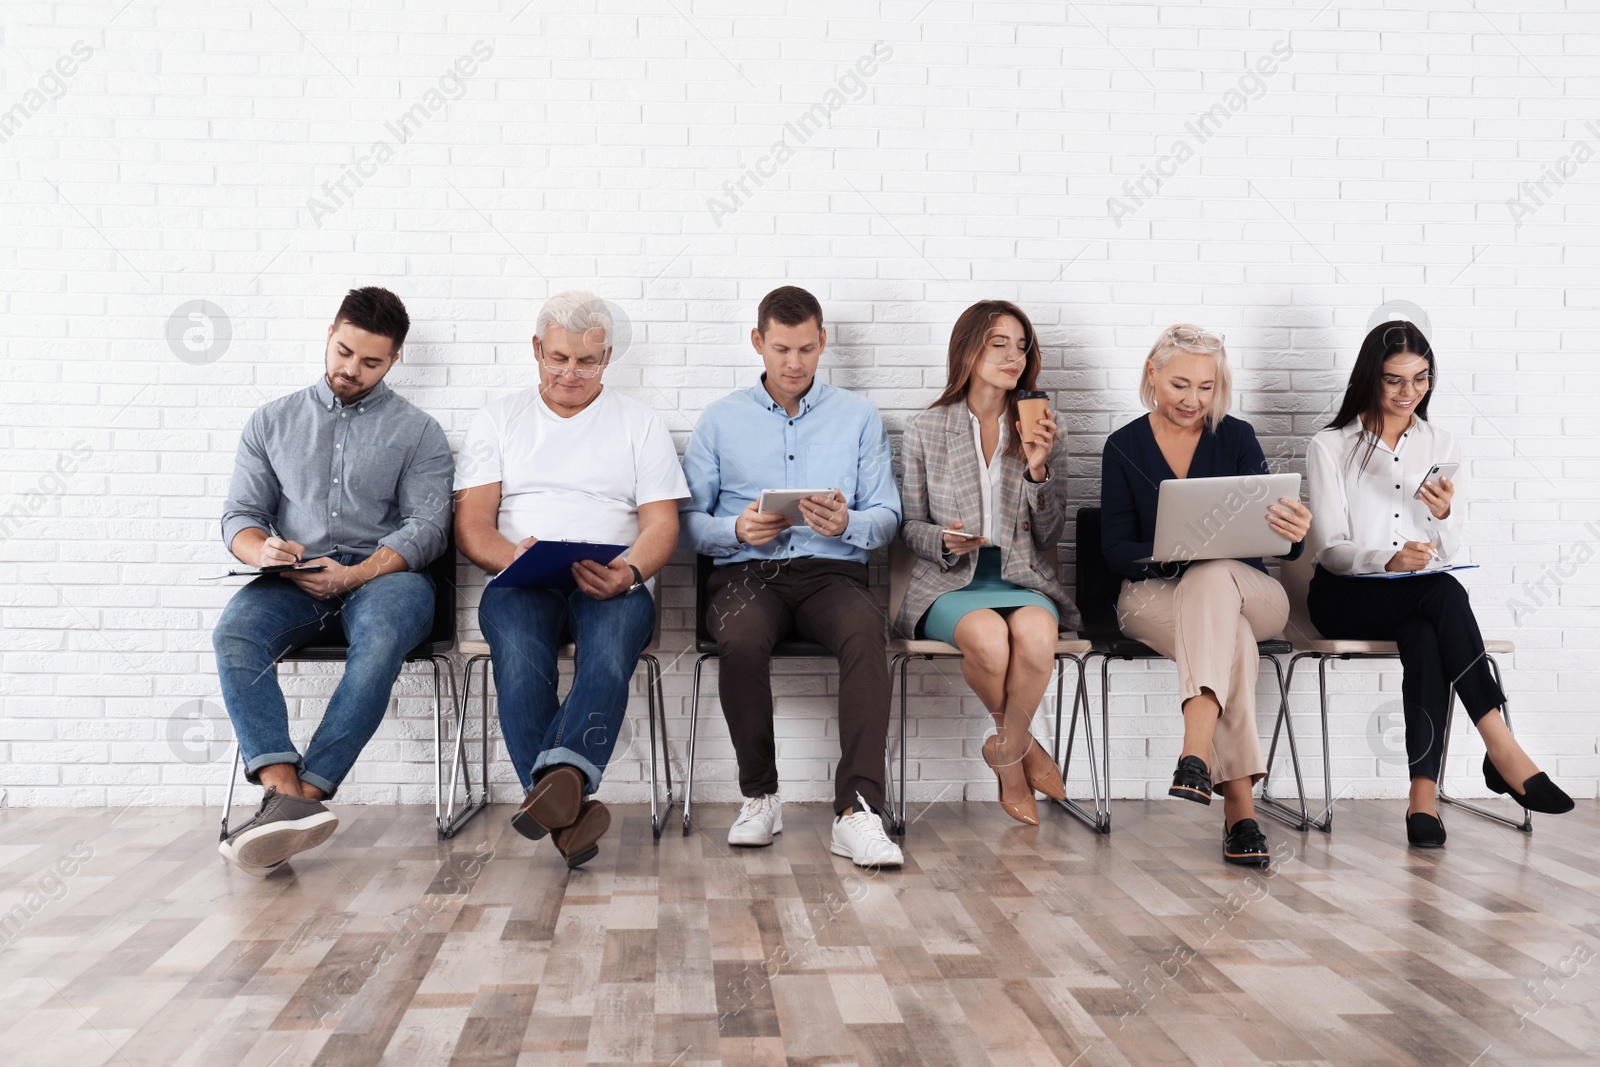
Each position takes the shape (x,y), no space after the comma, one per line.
(282,568)
(1391,575)
(548,564)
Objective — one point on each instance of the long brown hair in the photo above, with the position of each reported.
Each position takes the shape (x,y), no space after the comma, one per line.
(1363,397)
(967,339)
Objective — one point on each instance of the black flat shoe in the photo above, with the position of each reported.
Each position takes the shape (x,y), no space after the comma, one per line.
(1424,830)
(1539,793)
(1192,780)
(1245,844)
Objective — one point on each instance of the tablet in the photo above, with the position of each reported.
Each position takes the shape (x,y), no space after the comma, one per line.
(787,502)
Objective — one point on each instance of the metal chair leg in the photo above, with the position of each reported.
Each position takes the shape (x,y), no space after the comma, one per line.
(657,704)
(694,722)
(449,822)
(1525,824)
(1100,818)
(897,810)
(1300,820)
(233,780)
(1326,823)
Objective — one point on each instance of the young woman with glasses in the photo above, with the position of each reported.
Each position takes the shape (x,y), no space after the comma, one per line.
(1377,515)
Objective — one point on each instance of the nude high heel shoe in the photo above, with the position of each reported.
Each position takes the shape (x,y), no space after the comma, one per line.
(1042,772)
(1024,811)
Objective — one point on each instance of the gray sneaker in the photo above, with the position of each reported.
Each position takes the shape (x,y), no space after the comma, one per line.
(281,827)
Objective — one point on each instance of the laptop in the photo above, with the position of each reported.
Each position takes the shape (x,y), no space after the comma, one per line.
(1219,518)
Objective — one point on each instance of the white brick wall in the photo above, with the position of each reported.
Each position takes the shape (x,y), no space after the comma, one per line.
(158,154)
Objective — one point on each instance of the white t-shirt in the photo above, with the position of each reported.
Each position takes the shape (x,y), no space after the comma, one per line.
(575,479)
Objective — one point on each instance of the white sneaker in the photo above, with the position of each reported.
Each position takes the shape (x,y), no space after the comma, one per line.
(861,837)
(758,820)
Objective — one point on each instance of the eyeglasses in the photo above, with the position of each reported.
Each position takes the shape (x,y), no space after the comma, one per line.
(1396,384)
(583,368)
(1193,338)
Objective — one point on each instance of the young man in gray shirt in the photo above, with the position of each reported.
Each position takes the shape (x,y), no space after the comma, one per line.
(349,476)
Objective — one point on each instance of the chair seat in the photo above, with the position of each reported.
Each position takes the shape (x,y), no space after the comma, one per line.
(921,646)
(788,647)
(340,652)
(473,648)
(1126,648)
(1381,648)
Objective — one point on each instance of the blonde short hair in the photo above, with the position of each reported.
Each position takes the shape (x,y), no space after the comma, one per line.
(1186,337)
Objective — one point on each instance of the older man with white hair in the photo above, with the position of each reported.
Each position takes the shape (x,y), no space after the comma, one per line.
(567,460)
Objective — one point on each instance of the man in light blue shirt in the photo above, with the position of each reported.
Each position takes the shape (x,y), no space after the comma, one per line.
(775,575)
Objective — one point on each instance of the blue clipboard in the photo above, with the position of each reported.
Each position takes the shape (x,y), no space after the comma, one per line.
(548,564)
(1392,575)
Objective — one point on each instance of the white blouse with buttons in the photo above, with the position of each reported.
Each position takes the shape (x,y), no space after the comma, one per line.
(1365,514)
(988,472)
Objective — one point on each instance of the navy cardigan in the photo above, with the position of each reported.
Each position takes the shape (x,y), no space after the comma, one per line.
(1132,467)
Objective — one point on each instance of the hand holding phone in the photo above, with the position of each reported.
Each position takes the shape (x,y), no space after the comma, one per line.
(1437,489)
(1435,473)
(958,541)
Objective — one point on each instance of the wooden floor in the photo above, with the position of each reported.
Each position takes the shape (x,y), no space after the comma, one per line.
(995,944)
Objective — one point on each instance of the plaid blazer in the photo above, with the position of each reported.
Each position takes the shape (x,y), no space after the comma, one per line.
(939,485)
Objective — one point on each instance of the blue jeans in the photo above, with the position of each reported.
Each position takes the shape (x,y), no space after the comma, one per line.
(382,621)
(525,629)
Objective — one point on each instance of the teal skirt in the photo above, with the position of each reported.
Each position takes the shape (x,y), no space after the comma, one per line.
(986,590)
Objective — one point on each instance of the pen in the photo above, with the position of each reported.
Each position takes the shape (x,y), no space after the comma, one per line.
(273,530)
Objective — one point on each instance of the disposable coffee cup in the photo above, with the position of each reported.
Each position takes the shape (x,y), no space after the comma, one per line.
(1031,406)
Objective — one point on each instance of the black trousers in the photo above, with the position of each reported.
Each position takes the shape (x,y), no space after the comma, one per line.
(1430,620)
(752,605)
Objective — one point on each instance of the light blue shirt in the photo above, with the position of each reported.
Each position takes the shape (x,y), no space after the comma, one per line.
(746,442)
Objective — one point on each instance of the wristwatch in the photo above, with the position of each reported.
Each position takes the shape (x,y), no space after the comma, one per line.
(638,579)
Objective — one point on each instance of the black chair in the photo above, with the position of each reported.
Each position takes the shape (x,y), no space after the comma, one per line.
(790,646)
(1098,590)
(333,648)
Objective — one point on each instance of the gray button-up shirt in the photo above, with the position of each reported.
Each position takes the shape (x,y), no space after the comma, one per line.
(344,480)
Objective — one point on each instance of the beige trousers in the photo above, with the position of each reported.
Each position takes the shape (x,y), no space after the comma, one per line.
(1208,622)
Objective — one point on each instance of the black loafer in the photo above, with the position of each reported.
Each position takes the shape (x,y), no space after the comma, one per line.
(1539,793)
(1245,844)
(1424,830)
(1192,780)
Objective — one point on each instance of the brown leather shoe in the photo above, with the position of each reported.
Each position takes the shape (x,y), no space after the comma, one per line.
(1024,809)
(579,843)
(553,802)
(1042,772)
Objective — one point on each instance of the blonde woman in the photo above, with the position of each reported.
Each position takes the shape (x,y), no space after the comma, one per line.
(1207,615)
(977,465)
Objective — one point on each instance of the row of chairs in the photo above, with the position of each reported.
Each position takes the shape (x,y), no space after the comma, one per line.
(1097,589)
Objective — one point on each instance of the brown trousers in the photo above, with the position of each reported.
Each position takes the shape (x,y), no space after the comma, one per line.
(1209,621)
(755,604)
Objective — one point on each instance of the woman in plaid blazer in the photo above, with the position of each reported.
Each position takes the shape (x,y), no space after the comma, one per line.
(991,589)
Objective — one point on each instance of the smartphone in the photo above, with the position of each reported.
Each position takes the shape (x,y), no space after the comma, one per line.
(963,533)
(1435,472)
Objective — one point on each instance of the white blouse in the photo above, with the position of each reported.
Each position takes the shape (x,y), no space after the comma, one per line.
(1363,516)
(988,472)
